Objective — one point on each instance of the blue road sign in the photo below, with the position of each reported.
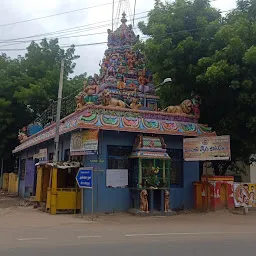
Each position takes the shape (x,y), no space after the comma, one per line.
(84,177)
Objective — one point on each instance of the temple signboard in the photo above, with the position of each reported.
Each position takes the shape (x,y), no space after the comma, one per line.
(207,148)
(84,143)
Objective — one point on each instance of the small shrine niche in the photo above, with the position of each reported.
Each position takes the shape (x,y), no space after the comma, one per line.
(149,176)
(150,164)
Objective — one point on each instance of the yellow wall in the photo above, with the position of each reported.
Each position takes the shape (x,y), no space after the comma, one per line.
(5,181)
(13,183)
(39,180)
(68,199)
(10,182)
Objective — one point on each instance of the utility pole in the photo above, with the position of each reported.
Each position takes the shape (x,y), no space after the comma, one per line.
(56,140)
(113,10)
(134,13)
(2,172)
(57,131)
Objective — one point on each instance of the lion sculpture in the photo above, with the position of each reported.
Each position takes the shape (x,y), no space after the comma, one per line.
(79,101)
(186,107)
(135,104)
(107,100)
(144,201)
(22,136)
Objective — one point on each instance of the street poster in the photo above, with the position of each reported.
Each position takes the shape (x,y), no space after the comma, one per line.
(116,178)
(244,195)
(84,143)
(207,148)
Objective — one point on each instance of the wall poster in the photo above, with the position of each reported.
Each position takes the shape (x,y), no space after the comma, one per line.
(244,194)
(84,143)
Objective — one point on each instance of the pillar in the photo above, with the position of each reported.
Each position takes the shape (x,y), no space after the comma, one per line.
(53,209)
(162,200)
(164,174)
(140,174)
(151,203)
(39,182)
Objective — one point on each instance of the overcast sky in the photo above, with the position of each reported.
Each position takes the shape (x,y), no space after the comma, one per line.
(99,18)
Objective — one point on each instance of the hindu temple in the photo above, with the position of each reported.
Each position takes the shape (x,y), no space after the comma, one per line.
(134,148)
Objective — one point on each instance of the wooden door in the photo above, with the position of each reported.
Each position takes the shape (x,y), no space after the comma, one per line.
(223,194)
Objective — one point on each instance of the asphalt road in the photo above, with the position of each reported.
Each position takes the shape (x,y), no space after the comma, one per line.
(27,232)
(150,246)
(70,241)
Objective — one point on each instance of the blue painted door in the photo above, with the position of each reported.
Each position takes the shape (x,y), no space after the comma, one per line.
(29,178)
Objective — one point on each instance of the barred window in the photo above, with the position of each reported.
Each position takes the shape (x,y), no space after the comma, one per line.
(22,169)
(176,174)
(118,157)
(67,154)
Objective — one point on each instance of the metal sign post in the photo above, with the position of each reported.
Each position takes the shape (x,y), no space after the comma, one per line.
(92,196)
(82,201)
(2,172)
(84,180)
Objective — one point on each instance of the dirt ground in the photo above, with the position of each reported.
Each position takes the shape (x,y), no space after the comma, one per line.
(15,213)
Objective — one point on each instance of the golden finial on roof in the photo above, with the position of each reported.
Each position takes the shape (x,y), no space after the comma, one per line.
(123,20)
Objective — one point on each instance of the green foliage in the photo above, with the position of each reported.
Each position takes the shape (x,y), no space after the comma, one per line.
(42,66)
(32,80)
(213,55)
(74,84)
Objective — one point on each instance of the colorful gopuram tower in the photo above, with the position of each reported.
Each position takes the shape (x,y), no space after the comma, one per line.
(123,70)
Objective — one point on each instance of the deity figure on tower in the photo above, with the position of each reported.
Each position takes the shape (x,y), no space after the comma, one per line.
(91,91)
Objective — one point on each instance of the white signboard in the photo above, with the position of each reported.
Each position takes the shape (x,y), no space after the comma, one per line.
(116,178)
(41,156)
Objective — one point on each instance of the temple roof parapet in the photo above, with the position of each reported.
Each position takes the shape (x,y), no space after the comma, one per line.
(111,118)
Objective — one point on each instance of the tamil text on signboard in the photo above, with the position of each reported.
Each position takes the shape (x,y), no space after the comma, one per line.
(84,143)
(84,178)
(207,148)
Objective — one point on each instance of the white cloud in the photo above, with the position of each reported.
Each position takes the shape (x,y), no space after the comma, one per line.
(17,10)
(224,5)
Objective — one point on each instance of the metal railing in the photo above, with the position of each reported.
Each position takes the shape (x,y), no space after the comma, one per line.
(68,107)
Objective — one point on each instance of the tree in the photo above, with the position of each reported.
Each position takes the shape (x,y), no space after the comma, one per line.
(11,112)
(27,86)
(70,89)
(42,64)
(213,55)
(74,85)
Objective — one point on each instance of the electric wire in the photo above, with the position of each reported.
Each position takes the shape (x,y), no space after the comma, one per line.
(69,30)
(53,15)
(98,43)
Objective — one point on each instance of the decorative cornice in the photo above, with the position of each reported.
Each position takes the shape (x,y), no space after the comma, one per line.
(118,119)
